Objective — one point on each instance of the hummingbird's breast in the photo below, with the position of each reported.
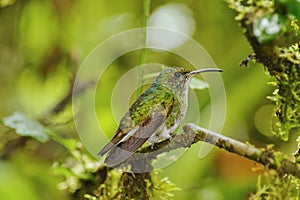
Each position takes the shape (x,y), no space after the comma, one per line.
(177,113)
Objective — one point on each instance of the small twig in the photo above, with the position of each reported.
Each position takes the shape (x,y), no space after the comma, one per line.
(245,61)
(68,98)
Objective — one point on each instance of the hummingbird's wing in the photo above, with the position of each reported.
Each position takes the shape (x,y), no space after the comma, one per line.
(144,117)
(125,149)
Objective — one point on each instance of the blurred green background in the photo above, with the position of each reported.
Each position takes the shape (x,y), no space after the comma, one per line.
(42,44)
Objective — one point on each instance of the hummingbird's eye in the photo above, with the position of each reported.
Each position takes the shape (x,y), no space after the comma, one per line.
(177,74)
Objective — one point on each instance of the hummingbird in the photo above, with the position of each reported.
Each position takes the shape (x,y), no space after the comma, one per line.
(155,114)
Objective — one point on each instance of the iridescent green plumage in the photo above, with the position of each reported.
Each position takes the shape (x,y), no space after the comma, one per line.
(153,116)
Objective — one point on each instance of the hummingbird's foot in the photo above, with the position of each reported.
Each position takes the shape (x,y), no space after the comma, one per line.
(172,135)
(152,145)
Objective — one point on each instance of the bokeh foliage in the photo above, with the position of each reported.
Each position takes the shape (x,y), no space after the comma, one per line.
(42,44)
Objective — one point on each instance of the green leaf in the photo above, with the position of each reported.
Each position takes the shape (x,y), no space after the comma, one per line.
(198,84)
(24,126)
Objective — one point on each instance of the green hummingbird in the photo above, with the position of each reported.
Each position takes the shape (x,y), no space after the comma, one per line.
(153,116)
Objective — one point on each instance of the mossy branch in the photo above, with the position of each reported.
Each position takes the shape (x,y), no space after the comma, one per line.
(266,156)
(278,52)
(193,134)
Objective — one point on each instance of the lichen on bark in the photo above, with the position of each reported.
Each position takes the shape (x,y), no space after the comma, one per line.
(271,28)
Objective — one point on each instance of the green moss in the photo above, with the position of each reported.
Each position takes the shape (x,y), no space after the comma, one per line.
(270,185)
(278,52)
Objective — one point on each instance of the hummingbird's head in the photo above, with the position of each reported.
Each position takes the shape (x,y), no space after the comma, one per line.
(173,78)
(177,79)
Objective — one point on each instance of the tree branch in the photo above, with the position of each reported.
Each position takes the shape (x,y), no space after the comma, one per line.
(266,156)
(193,134)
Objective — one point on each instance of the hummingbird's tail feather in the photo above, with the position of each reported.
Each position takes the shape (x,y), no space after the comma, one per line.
(114,141)
(106,149)
(121,153)
(125,149)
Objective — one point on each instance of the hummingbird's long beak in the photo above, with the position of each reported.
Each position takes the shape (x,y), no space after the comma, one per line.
(205,70)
